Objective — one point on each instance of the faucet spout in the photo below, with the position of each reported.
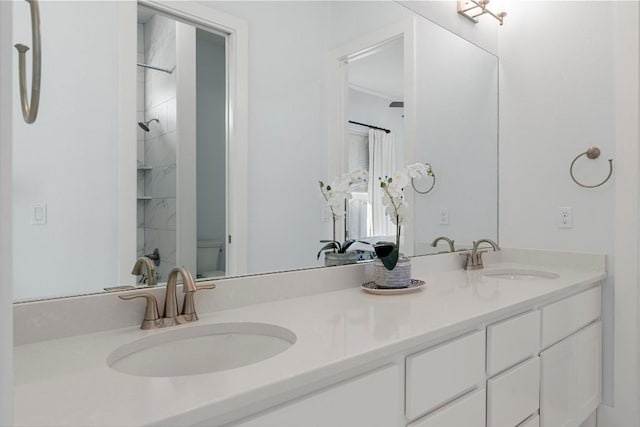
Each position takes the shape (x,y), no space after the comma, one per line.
(144,265)
(474,258)
(476,245)
(446,239)
(171,298)
(152,320)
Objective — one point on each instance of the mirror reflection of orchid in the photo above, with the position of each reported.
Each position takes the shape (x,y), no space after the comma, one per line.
(336,194)
(396,208)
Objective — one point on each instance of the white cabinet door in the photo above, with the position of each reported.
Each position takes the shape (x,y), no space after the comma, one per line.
(588,365)
(513,396)
(571,379)
(556,380)
(372,400)
(468,411)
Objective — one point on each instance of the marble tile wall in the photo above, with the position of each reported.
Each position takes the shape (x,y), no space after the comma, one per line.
(140,143)
(159,153)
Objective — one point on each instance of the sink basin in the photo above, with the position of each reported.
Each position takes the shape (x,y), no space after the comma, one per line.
(201,349)
(520,274)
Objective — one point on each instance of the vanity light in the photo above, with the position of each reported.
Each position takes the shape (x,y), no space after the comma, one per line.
(472,9)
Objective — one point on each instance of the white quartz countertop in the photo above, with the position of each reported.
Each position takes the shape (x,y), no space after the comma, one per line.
(66,382)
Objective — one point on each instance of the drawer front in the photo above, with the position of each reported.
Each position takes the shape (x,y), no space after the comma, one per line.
(514,395)
(371,400)
(439,374)
(532,422)
(512,341)
(468,411)
(565,317)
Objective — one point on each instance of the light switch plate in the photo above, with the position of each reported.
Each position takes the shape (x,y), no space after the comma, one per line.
(39,214)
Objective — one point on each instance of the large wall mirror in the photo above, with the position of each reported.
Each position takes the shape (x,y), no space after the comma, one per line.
(143,146)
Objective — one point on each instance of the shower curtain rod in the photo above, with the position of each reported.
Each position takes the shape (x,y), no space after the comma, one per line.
(164,70)
(370,126)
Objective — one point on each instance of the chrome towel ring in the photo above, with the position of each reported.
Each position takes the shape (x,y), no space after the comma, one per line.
(591,153)
(433,183)
(30,107)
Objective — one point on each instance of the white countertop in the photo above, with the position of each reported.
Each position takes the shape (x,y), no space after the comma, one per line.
(66,382)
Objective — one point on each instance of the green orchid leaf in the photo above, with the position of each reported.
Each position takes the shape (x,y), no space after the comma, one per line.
(346,245)
(383,249)
(331,245)
(391,260)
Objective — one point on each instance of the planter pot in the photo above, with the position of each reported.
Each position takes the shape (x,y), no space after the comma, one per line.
(331,259)
(399,277)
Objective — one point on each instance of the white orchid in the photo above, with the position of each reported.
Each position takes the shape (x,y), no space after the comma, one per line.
(340,190)
(393,198)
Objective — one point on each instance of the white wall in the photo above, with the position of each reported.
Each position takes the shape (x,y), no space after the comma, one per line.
(211,139)
(287,144)
(82,137)
(456,132)
(484,34)
(556,99)
(6,292)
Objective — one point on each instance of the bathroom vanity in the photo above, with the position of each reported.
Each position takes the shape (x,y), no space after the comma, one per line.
(515,344)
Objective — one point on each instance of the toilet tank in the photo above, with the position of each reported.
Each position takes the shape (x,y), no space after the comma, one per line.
(208,255)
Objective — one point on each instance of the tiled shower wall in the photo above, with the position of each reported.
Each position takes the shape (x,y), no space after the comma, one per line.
(140,142)
(159,218)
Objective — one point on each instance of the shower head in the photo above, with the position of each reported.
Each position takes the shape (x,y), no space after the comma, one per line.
(145,125)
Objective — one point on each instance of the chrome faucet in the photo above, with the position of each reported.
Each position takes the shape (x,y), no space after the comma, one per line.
(446,239)
(473,259)
(142,264)
(152,319)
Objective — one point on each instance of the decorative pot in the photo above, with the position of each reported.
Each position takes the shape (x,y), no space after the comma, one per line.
(399,277)
(335,258)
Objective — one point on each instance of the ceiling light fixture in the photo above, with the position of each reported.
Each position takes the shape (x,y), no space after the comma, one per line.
(472,9)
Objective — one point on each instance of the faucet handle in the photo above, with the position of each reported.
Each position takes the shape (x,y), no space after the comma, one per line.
(151,314)
(189,304)
(468,260)
(479,253)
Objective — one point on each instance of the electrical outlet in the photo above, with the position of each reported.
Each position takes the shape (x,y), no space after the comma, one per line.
(444,216)
(565,217)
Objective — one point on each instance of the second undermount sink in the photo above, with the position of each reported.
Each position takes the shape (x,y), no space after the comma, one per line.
(201,349)
(520,274)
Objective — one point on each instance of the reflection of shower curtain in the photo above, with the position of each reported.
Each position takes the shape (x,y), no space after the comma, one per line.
(381,164)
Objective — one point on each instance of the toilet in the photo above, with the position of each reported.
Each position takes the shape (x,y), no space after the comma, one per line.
(208,258)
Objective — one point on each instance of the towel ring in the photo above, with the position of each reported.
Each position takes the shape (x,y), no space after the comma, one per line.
(433,184)
(591,153)
(30,107)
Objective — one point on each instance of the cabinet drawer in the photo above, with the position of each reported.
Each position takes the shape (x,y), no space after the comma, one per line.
(369,400)
(468,411)
(514,395)
(439,374)
(565,317)
(512,341)
(532,422)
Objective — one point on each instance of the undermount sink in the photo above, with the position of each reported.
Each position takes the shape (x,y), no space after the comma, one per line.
(520,274)
(201,349)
